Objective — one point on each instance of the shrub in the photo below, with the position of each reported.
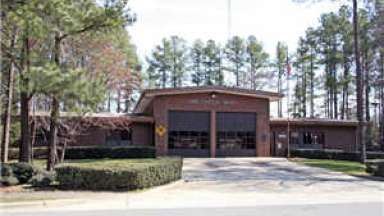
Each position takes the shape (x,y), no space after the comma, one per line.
(7,177)
(9,181)
(109,152)
(119,174)
(6,170)
(22,171)
(43,179)
(375,167)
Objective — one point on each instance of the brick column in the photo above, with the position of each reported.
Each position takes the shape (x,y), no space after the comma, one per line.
(213,134)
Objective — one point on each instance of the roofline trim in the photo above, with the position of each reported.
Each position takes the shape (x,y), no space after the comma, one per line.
(151,93)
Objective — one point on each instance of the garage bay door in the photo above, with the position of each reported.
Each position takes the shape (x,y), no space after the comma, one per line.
(236,134)
(189,133)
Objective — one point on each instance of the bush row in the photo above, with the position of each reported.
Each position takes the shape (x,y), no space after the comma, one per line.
(375,167)
(21,173)
(334,155)
(135,176)
(94,152)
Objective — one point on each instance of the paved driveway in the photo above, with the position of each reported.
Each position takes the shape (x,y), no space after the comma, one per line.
(270,175)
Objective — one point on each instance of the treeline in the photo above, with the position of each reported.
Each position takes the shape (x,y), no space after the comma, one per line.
(325,69)
(72,56)
(173,63)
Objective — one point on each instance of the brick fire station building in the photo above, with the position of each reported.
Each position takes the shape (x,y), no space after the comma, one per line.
(219,121)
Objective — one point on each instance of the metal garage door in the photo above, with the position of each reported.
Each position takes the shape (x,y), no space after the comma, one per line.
(236,134)
(189,133)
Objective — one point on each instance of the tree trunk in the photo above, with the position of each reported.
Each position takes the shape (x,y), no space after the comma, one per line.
(53,134)
(25,147)
(33,135)
(62,153)
(304,88)
(109,101)
(8,107)
(312,86)
(55,113)
(368,137)
(359,84)
(382,100)
(118,108)
(344,108)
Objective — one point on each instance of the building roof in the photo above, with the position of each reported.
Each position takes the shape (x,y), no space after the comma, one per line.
(103,115)
(313,122)
(148,94)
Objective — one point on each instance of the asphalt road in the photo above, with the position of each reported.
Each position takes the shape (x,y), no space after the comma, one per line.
(344,209)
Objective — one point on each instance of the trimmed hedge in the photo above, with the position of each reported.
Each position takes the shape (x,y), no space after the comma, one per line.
(119,174)
(16,173)
(334,155)
(38,153)
(94,152)
(375,167)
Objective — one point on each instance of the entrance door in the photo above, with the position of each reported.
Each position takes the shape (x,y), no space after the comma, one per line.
(189,133)
(236,134)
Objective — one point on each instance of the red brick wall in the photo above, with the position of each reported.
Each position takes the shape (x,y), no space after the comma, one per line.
(336,137)
(142,134)
(92,137)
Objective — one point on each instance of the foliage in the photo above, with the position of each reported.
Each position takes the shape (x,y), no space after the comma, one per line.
(167,63)
(235,54)
(212,62)
(72,87)
(256,59)
(375,167)
(22,171)
(118,174)
(43,179)
(16,173)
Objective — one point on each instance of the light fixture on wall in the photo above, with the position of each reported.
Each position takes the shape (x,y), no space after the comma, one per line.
(213,95)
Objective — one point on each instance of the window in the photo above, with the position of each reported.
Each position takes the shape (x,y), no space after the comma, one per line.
(236,140)
(188,130)
(188,140)
(294,138)
(119,137)
(236,130)
(313,138)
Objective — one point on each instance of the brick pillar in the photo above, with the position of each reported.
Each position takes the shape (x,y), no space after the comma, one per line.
(213,133)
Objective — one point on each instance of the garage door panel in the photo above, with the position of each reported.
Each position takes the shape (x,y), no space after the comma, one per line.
(189,133)
(236,121)
(189,121)
(236,134)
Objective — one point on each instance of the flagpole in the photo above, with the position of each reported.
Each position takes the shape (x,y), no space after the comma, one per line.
(288,102)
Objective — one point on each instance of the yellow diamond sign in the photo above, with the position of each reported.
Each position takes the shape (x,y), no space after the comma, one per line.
(160,130)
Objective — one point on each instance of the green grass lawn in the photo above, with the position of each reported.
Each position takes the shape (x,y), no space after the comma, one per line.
(348,167)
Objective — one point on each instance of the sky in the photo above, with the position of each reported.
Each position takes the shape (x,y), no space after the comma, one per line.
(269,20)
